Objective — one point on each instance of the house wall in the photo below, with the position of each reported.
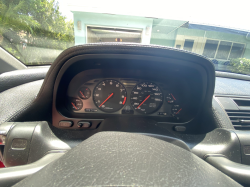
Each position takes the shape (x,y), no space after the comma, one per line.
(108,20)
(160,31)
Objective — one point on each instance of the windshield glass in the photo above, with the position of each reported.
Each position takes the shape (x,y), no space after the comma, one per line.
(37,31)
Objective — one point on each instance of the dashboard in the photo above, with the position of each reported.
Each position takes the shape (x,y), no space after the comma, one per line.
(92,88)
(159,92)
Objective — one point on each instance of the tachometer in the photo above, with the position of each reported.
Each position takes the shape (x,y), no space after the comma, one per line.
(146,98)
(110,96)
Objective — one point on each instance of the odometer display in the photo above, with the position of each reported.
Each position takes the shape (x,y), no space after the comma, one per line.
(146,98)
(110,95)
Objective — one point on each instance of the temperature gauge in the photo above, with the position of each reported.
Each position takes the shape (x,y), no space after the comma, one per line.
(74,104)
(84,93)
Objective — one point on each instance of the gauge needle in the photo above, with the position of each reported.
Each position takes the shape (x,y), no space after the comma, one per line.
(178,111)
(106,99)
(82,94)
(173,97)
(74,105)
(143,101)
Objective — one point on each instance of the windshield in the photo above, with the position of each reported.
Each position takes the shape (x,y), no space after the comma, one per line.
(37,31)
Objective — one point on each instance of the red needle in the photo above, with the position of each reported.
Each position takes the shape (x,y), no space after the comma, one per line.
(143,101)
(124,100)
(106,99)
(74,105)
(82,94)
(173,97)
(178,111)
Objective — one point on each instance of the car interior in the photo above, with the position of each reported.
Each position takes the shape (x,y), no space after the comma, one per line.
(123,114)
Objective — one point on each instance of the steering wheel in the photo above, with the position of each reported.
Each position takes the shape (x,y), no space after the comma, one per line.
(127,159)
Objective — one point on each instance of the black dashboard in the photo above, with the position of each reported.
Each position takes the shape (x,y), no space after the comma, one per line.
(156,91)
(91,88)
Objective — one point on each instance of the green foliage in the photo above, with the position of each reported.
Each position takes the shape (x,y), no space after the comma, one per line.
(241,65)
(14,15)
(41,25)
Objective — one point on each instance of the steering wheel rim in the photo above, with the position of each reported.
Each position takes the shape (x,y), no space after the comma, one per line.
(119,158)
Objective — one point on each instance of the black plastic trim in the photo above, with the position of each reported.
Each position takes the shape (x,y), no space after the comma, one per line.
(238,172)
(244,138)
(40,140)
(218,141)
(12,175)
(103,61)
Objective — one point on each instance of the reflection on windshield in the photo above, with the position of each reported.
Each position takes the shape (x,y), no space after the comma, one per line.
(38,34)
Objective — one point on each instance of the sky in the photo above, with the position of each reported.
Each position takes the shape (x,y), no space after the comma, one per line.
(224,13)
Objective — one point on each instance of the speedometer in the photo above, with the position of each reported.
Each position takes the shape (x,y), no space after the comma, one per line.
(110,95)
(146,98)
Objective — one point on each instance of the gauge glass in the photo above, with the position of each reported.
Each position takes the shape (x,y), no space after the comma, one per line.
(146,98)
(170,98)
(84,93)
(74,104)
(176,110)
(109,95)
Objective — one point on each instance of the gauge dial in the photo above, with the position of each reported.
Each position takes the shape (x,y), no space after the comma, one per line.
(176,110)
(146,98)
(74,104)
(170,98)
(110,96)
(84,93)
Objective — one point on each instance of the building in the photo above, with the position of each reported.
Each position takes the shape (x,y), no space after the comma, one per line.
(95,27)
(216,43)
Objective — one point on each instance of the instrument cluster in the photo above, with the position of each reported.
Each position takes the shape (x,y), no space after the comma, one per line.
(125,96)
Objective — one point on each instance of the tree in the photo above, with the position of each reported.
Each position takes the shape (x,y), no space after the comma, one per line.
(42,24)
(240,65)
(13,19)
(14,14)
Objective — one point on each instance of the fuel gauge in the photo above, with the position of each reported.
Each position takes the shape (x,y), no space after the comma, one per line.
(176,110)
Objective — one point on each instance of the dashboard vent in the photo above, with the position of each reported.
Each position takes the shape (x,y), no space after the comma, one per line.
(241,102)
(240,119)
